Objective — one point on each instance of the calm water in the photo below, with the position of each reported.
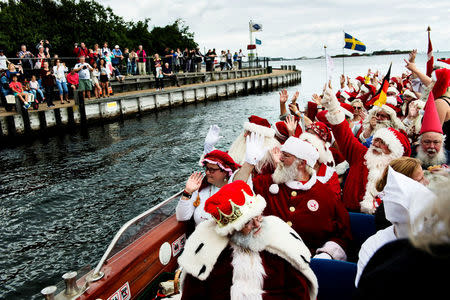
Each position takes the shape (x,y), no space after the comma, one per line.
(63,198)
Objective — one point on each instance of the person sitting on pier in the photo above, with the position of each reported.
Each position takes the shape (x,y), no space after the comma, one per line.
(167,72)
(219,166)
(17,88)
(294,194)
(240,254)
(261,126)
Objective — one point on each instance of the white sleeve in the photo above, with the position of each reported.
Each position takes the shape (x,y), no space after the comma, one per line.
(185,208)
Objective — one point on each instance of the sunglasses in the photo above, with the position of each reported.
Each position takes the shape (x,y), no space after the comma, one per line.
(357,107)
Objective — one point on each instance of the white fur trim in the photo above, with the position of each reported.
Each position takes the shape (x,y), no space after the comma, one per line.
(325,155)
(364,89)
(392,89)
(297,185)
(391,100)
(253,207)
(248,275)
(334,250)
(301,149)
(392,113)
(410,93)
(328,173)
(347,112)
(202,249)
(336,117)
(263,130)
(390,140)
(274,188)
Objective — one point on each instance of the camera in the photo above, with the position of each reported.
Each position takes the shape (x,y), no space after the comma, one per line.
(84,67)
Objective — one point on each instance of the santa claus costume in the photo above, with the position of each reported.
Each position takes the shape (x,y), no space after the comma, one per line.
(220,262)
(319,135)
(311,208)
(260,126)
(366,166)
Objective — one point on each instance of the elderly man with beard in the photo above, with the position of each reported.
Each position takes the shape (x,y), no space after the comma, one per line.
(366,164)
(294,194)
(431,150)
(378,117)
(240,254)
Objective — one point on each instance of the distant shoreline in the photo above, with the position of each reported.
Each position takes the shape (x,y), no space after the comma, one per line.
(375,53)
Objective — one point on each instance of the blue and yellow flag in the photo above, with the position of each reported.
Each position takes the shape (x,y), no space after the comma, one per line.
(353,44)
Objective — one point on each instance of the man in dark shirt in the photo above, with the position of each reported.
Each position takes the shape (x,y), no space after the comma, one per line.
(167,72)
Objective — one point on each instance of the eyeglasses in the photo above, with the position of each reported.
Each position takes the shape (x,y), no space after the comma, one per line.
(382,116)
(428,142)
(211,170)
(357,107)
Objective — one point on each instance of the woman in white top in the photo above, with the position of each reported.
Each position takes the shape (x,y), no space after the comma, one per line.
(219,166)
(60,70)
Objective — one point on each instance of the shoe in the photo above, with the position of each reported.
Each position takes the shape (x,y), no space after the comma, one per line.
(26,105)
(51,105)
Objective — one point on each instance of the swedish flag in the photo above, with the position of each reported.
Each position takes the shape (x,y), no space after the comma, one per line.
(353,44)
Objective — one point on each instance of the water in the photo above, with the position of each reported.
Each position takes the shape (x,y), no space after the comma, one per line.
(63,198)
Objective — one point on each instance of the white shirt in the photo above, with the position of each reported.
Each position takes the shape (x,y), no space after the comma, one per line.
(83,73)
(186,209)
(3,65)
(60,73)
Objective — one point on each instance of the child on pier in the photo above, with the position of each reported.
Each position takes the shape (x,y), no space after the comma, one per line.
(17,88)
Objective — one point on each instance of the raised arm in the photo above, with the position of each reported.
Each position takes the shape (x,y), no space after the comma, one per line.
(254,152)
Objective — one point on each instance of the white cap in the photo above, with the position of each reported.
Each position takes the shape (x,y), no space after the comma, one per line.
(301,149)
(116,46)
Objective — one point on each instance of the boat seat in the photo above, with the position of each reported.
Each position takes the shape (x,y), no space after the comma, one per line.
(362,226)
(336,278)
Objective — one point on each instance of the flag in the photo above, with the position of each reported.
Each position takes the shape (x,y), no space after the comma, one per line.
(255,27)
(330,67)
(258,42)
(430,61)
(381,96)
(353,44)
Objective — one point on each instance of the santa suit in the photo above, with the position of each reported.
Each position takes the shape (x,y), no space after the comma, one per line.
(328,176)
(312,210)
(216,268)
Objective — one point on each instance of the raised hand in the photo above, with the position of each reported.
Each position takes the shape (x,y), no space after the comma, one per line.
(329,99)
(276,155)
(412,56)
(316,98)
(284,96)
(291,124)
(254,148)
(293,107)
(294,98)
(194,182)
(212,138)
(342,81)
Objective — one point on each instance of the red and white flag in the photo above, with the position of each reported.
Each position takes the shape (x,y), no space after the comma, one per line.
(430,61)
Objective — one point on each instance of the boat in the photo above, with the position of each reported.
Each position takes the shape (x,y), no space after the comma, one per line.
(144,253)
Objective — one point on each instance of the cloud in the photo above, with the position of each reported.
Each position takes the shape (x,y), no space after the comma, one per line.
(294,28)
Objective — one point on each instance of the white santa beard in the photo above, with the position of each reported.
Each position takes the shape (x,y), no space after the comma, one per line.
(427,160)
(284,174)
(376,165)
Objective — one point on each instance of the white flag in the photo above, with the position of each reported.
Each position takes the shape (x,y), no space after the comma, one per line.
(255,27)
(330,66)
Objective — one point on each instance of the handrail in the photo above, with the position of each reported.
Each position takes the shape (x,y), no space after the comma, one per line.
(125,227)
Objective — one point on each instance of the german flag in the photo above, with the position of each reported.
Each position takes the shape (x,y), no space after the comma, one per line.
(381,96)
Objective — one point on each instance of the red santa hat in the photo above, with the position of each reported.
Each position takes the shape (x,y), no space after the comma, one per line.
(360,79)
(281,131)
(442,82)
(302,150)
(322,131)
(391,100)
(321,117)
(390,109)
(396,141)
(259,125)
(233,206)
(430,120)
(410,94)
(392,90)
(398,84)
(222,160)
(347,109)
(368,89)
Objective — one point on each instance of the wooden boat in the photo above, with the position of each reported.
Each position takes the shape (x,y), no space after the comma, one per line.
(145,250)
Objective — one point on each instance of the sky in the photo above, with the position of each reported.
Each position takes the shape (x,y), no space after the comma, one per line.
(296,28)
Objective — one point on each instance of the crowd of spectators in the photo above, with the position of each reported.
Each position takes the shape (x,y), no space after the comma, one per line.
(41,74)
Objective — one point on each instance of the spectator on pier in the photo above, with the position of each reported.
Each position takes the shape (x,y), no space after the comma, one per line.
(219,167)
(235,61)
(73,80)
(167,72)
(104,78)
(95,75)
(177,60)
(81,51)
(117,57)
(142,60)
(198,58)
(159,76)
(41,58)
(36,89)
(223,60)
(60,70)
(48,83)
(229,60)
(14,70)
(3,62)
(46,45)
(26,59)
(105,49)
(84,72)
(240,58)
(134,61)
(93,57)
(18,91)
(126,57)
(209,61)
(186,60)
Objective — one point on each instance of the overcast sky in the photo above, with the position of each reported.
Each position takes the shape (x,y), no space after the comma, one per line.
(295,28)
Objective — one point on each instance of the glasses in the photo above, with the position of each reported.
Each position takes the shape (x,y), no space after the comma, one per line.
(211,170)
(428,142)
(382,116)
(357,107)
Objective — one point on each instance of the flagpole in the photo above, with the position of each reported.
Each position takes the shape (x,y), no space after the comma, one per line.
(343,56)
(326,67)
(250,57)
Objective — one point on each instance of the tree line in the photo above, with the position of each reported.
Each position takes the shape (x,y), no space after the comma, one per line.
(66,22)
